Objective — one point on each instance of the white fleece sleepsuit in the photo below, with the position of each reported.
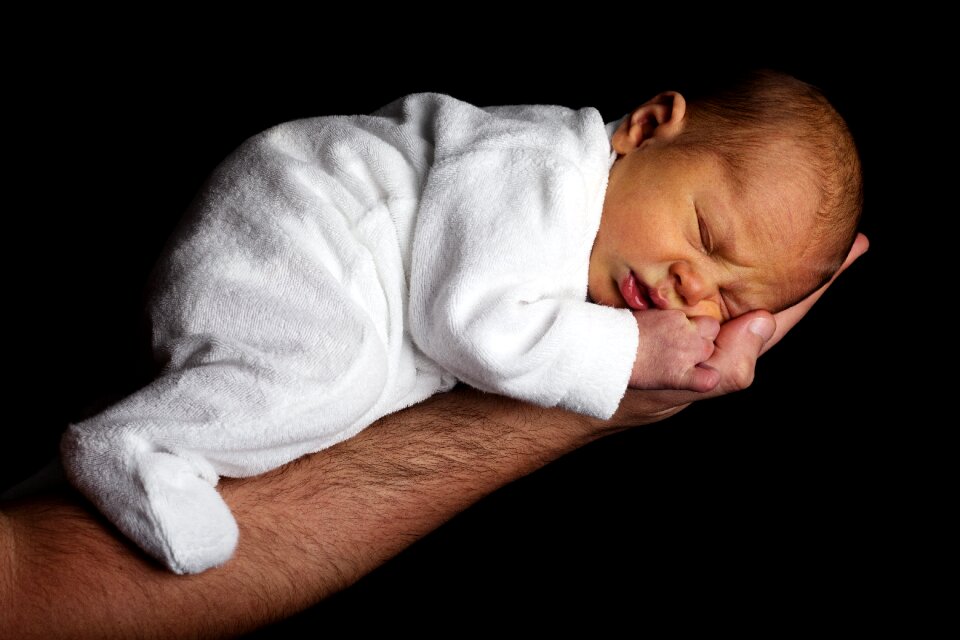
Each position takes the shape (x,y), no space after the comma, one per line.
(336,269)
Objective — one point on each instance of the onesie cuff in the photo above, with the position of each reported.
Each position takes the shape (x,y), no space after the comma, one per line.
(607,340)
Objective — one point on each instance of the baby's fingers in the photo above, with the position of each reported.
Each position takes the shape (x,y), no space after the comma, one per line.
(707,327)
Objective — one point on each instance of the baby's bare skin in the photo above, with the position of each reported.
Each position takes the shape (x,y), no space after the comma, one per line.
(671,347)
(686,249)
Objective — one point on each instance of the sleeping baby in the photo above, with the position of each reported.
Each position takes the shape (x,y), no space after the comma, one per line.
(336,269)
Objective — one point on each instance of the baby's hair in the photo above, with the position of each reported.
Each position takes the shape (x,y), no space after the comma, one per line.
(739,120)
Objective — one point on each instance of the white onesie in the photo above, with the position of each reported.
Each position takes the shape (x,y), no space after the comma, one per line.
(336,269)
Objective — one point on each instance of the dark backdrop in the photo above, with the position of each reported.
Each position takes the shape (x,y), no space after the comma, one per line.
(777,499)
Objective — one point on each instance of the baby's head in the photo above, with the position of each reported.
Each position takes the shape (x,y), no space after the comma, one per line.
(746,198)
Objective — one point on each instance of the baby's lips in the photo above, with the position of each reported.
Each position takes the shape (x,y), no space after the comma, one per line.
(659,301)
(631,290)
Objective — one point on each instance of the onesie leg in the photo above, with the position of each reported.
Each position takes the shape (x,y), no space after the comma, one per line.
(272,316)
(151,462)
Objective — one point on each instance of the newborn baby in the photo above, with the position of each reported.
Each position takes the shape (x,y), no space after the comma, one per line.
(336,269)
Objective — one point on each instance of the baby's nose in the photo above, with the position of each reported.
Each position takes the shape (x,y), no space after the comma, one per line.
(688,284)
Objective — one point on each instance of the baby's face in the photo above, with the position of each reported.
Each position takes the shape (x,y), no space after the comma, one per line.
(677,233)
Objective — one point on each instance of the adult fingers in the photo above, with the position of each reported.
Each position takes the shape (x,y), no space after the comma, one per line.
(737,347)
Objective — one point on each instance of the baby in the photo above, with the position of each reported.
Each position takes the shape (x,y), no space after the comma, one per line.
(336,269)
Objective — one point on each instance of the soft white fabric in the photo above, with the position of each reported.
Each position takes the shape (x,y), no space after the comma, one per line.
(336,269)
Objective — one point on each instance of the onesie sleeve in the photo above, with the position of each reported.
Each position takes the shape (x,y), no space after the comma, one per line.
(500,260)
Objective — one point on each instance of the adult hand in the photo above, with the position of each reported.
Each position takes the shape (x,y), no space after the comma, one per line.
(740,342)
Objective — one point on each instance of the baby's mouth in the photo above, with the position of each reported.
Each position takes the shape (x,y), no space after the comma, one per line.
(635,293)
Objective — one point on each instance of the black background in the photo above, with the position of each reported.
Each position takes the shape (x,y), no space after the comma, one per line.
(784,499)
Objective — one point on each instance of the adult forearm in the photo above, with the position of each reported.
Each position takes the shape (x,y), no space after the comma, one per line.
(318,524)
(307,530)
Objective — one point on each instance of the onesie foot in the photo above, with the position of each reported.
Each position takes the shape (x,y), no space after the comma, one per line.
(164,502)
(194,528)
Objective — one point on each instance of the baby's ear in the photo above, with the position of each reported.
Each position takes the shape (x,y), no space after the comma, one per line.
(659,118)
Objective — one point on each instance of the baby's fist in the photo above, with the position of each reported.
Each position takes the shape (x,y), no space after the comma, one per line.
(670,350)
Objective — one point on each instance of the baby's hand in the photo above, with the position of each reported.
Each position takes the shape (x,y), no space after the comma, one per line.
(671,348)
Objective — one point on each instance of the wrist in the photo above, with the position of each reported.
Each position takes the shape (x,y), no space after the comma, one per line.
(640,407)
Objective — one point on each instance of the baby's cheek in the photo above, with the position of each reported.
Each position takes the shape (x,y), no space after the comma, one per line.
(605,294)
(706,308)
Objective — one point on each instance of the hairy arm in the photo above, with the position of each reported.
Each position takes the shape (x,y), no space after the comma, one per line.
(320,523)
(307,530)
